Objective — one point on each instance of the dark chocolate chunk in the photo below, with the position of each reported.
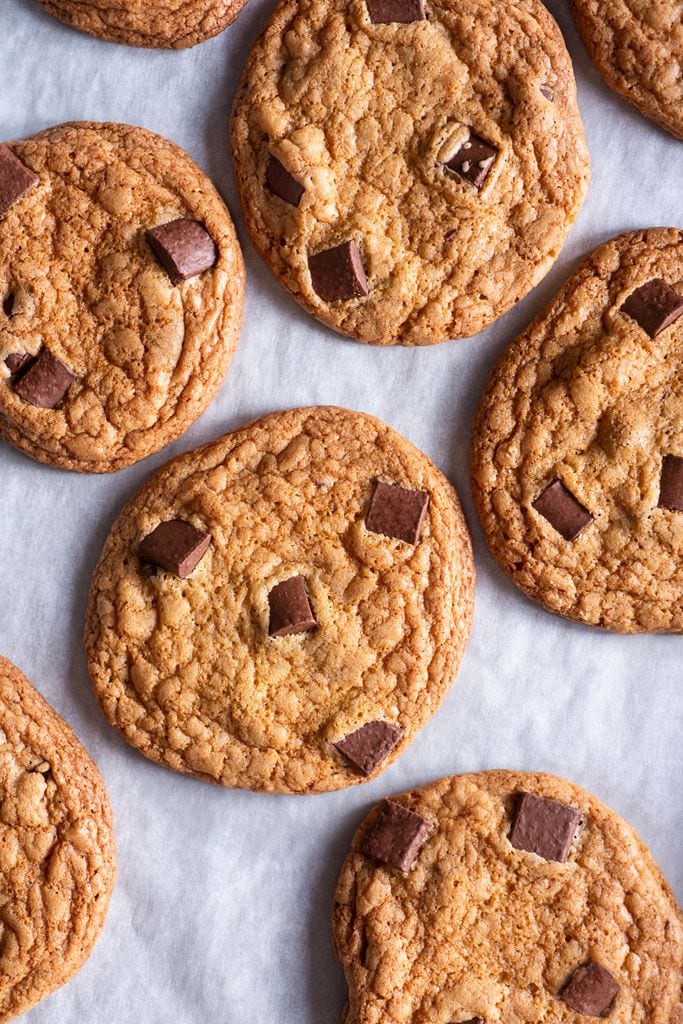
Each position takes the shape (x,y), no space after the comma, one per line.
(45,382)
(545,827)
(654,306)
(382,12)
(183,247)
(16,361)
(282,184)
(290,608)
(338,274)
(15,179)
(671,483)
(396,835)
(473,160)
(558,505)
(591,990)
(175,545)
(397,512)
(8,304)
(368,746)
(548,92)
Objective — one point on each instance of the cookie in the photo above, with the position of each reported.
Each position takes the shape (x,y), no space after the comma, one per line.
(409,169)
(56,848)
(577,454)
(167,24)
(284,608)
(638,48)
(505,896)
(121,292)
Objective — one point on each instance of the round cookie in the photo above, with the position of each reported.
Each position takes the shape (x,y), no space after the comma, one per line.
(284,608)
(638,48)
(166,24)
(409,169)
(505,896)
(121,292)
(56,848)
(577,455)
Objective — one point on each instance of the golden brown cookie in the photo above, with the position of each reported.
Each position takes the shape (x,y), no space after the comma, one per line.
(638,47)
(577,454)
(168,24)
(121,291)
(505,897)
(284,608)
(409,170)
(56,848)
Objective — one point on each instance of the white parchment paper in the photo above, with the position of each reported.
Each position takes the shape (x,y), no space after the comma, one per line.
(221,910)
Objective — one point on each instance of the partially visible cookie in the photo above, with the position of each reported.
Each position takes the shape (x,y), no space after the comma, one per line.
(638,47)
(577,453)
(505,896)
(121,292)
(168,24)
(409,170)
(284,608)
(56,848)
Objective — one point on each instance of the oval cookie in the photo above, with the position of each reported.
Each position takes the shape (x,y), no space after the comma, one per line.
(285,607)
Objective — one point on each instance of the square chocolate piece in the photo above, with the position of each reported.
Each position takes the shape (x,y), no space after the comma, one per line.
(367,747)
(290,608)
(175,545)
(384,12)
(338,274)
(281,183)
(558,505)
(544,827)
(654,306)
(46,381)
(473,160)
(15,179)
(591,990)
(396,836)
(184,248)
(397,512)
(671,483)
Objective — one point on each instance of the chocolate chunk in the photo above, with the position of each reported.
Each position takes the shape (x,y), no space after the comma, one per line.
(473,160)
(175,545)
(8,304)
(338,274)
(397,512)
(396,835)
(545,827)
(16,361)
(382,12)
(290,608)
(671,483)
(591,990)
(559,506)
(15,179)
(548,92)
(368,746)
(654,306)
(45,382)
(183,247)
(282,184)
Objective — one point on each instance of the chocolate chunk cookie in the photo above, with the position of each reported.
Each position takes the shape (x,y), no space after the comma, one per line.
(638,47)
(577,457)
(448,912)
(169,24)
(56,848)
(284,608)
(409,169)
(121,291)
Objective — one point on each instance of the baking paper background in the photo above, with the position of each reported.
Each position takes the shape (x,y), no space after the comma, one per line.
(222,904)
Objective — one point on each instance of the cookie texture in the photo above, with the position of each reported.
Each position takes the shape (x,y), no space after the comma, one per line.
(167,24)
(56,848)
(580,421)
(377,121)
(638,48)
(478,930)
(231,675)
(80,283)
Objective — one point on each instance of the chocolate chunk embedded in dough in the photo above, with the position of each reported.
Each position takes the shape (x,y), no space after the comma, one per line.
(591,990)
(282,184)
(383,12)
(175,545)
(367,747)
(397,512)
(290,608)
(338,274)
(45,382)
(654,306)
(544,827)
(184,248)
(558,505)
(15,179)
(396,836)
(671,483)
(473,160)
